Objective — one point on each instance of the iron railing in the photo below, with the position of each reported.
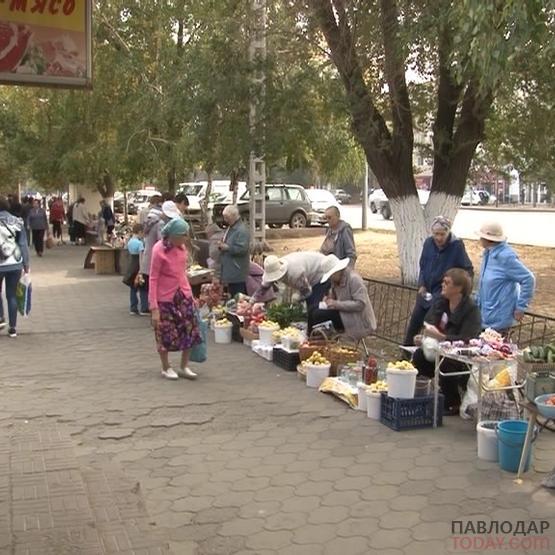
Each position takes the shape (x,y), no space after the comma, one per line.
(393,304)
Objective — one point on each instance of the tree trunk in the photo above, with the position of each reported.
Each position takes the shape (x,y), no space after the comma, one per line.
(172,179)
(106,187)
(234,185)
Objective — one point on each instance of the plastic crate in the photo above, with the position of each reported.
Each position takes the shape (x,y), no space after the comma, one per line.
(288,360)
(409,414)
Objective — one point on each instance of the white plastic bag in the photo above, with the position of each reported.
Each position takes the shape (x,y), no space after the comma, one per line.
(470,399)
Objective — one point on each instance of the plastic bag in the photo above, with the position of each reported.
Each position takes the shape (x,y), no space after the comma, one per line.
(470,400)
(199,352)
(430,346)
(23,295)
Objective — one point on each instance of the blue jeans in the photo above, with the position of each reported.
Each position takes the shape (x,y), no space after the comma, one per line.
(12,279)
(136,293)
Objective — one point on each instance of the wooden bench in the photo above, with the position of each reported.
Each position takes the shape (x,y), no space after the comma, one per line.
(106,260)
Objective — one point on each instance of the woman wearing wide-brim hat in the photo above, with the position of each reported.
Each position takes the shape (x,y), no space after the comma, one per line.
(348,305)
(506,285)
(302,271)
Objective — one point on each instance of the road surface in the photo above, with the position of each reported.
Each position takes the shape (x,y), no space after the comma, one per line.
(531,227)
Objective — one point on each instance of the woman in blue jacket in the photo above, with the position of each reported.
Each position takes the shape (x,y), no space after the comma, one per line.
(441,252)
(506,285)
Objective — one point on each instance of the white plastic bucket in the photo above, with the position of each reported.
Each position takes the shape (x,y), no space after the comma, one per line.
(487,440)
(315,375)
(265,335)
(222,334)
(361,396)
(373,405)
(401,383)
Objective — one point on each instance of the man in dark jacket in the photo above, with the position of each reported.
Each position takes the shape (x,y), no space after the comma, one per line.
(234,249)
(441,252)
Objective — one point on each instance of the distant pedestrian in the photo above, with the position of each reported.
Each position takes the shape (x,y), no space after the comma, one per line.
(80,221)
(26,206)
(39,226)
(171,302)
(107,214)
(14,257)
(57,214)
(133,277)
(506,285)
(152,228)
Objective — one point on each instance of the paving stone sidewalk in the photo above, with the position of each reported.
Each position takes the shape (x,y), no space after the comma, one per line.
(244,460)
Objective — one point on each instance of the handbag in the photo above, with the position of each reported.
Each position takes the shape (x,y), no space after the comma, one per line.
(199,352)
(23,295)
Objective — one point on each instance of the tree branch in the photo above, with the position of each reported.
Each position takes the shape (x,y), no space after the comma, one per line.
(403,138)
(368,124)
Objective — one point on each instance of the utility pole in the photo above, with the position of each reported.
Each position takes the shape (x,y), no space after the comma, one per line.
(257,165)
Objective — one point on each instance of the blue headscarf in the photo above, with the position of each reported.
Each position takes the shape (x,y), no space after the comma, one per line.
(177,226)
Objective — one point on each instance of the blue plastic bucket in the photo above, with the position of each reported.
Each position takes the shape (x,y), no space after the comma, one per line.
(511,435)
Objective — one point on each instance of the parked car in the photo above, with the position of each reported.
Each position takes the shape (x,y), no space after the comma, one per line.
(342,196)
(320,199)
(385,209)
(140,199)
(285,204)
(477,197)
(374,198)
(119,204)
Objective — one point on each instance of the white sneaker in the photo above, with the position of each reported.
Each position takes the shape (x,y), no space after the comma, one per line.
(169,374)
(188,374)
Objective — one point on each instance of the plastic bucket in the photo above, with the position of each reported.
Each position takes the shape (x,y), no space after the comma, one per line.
(265,335)
(423,387)
(315,375)
(401,383)
(511,435)
(361,397)
(222,334)
(373,405)
(487,440)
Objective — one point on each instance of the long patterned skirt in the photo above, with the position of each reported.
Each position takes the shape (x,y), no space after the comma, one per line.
(178,329)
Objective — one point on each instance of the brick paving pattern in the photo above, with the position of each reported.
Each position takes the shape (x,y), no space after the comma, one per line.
(98,454)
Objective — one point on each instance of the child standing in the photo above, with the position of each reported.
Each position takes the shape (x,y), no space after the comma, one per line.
(138,295)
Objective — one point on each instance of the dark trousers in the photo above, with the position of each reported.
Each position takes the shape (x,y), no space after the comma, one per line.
(416,319)
(319,315)
(79,230)
(318,293)
(38,240)
(234,288)
(449,384)
(138,299)
(71,231)
(11,279)
(57,230)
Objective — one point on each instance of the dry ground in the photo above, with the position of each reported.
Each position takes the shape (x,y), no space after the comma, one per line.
(378,259)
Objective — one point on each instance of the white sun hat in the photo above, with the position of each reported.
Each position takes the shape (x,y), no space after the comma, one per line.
(492,231)
(170,210)
(338,265)
(274,269)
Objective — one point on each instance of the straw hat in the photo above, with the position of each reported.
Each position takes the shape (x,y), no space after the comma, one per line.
(492,231)
(274,269)
(338,265)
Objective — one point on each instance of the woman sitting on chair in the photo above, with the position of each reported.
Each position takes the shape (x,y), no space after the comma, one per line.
(452,317)
(348,305)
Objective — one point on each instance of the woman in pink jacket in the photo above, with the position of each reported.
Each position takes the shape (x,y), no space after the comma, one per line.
(171,300)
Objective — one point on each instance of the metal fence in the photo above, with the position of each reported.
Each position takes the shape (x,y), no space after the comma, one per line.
(393,304)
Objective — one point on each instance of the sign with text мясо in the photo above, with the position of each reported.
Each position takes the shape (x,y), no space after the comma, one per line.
(46,42)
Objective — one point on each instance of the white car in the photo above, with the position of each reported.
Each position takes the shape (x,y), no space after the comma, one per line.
(385,209)
(141,199)
(320,199)
(375,198)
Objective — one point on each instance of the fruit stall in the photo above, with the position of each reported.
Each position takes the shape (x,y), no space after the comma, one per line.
(392,392)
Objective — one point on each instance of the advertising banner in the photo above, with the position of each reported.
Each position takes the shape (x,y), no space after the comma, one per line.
(46,42)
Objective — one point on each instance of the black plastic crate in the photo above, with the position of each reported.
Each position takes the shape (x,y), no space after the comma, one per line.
(286,359)
(236,329)
(409,414)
